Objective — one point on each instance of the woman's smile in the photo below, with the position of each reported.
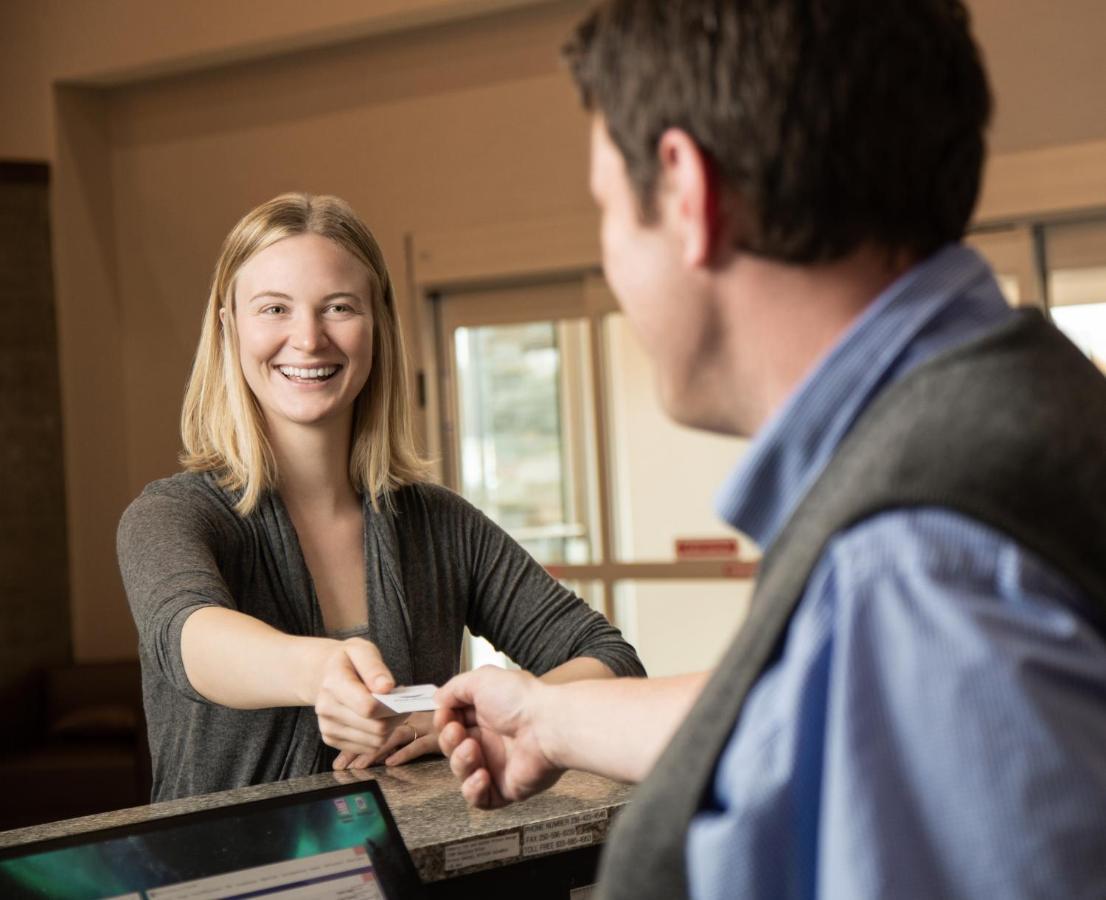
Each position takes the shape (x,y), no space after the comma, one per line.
(308,375)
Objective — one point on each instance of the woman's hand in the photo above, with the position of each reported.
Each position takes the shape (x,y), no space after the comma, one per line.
(350,718)
(415,737)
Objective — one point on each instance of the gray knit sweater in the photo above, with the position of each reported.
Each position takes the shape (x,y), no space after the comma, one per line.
(432,565)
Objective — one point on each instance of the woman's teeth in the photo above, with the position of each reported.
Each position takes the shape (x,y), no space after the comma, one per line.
(293,372)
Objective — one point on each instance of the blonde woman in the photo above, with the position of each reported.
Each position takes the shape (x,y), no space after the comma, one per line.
(301,561)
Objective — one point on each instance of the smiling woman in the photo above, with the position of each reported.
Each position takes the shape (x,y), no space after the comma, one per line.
(302,562)
(305,354)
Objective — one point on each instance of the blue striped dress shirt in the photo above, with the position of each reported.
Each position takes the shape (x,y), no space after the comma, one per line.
(936,723)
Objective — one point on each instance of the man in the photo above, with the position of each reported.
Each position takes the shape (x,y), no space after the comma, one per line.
(916,706)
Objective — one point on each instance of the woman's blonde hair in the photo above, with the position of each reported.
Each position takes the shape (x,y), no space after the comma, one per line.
(222,426)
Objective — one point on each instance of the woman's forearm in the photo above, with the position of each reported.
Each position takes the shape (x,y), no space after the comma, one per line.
(236,660)
(577,670)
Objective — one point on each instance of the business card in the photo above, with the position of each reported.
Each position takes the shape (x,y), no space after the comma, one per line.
(410,699)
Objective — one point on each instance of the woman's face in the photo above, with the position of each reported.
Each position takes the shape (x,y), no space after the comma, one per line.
(303,311)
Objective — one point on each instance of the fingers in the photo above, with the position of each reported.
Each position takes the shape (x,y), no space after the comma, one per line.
(466,761)
(400,737)
(402,747)
(351,760)
(428,743)
(470,763)
(479,791)
(456,704)
(467,758)
(344,686)
(351,776)
(451,736)
(456,693)
(363,736)
(346,700)
(369,665)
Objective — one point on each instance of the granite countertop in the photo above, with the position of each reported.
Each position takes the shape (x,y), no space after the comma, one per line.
(446,837)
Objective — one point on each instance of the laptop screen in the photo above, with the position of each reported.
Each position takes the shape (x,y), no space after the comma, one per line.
(337,842)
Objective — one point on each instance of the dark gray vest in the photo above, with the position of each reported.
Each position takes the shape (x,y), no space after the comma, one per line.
(1009,430)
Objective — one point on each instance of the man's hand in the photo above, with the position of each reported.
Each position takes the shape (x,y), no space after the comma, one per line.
(487,728)
(350,718)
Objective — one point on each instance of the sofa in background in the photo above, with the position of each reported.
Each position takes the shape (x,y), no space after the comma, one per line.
(88,753)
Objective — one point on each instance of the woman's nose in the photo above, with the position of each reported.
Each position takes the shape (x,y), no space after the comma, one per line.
(308,334)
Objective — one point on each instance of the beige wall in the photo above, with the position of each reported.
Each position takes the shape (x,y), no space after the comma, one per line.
(105,42)
(165,121)
(25,109)
(1046,65)
(1044,55)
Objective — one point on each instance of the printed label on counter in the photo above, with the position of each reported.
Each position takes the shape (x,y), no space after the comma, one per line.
(473,853)
(561,835)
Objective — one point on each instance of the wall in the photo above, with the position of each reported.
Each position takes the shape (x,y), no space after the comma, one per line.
(91,329)
(26,110)
(110,42)
(1043,55)
(34,612)
(1045,62)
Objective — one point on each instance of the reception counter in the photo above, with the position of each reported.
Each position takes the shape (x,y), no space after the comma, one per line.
(545,847)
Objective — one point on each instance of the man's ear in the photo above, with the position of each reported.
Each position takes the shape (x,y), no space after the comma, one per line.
(691,193)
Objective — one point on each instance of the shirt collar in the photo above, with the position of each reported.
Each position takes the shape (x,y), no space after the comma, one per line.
(789,452)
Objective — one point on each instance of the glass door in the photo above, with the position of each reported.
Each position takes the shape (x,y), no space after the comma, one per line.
(521,413)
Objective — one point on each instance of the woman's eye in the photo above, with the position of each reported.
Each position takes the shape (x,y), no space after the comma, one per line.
(341,308)
(273,310)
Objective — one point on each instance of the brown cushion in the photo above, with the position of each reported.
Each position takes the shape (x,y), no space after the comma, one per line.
(100,720)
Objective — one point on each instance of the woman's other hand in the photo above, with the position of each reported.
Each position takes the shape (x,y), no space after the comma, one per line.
(414,738)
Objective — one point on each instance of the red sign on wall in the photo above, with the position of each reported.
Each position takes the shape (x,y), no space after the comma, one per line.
(706,548)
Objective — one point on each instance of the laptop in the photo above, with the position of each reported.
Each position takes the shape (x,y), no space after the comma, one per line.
(334,842)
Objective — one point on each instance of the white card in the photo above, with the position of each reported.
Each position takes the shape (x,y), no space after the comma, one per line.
(410,699)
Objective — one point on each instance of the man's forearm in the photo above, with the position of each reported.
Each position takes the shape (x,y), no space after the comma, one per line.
(617,727)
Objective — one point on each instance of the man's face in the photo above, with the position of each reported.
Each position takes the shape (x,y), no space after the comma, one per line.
(664,299)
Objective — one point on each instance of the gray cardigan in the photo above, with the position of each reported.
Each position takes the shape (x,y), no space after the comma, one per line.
(433,565)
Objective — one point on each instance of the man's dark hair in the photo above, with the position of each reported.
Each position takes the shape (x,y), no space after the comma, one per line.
(837,122)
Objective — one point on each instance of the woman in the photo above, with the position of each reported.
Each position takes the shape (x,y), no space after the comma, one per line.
(302,561)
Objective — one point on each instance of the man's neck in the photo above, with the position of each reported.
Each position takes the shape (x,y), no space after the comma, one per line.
(781,320)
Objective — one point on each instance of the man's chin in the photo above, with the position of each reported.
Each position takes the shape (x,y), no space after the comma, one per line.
(690,409)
